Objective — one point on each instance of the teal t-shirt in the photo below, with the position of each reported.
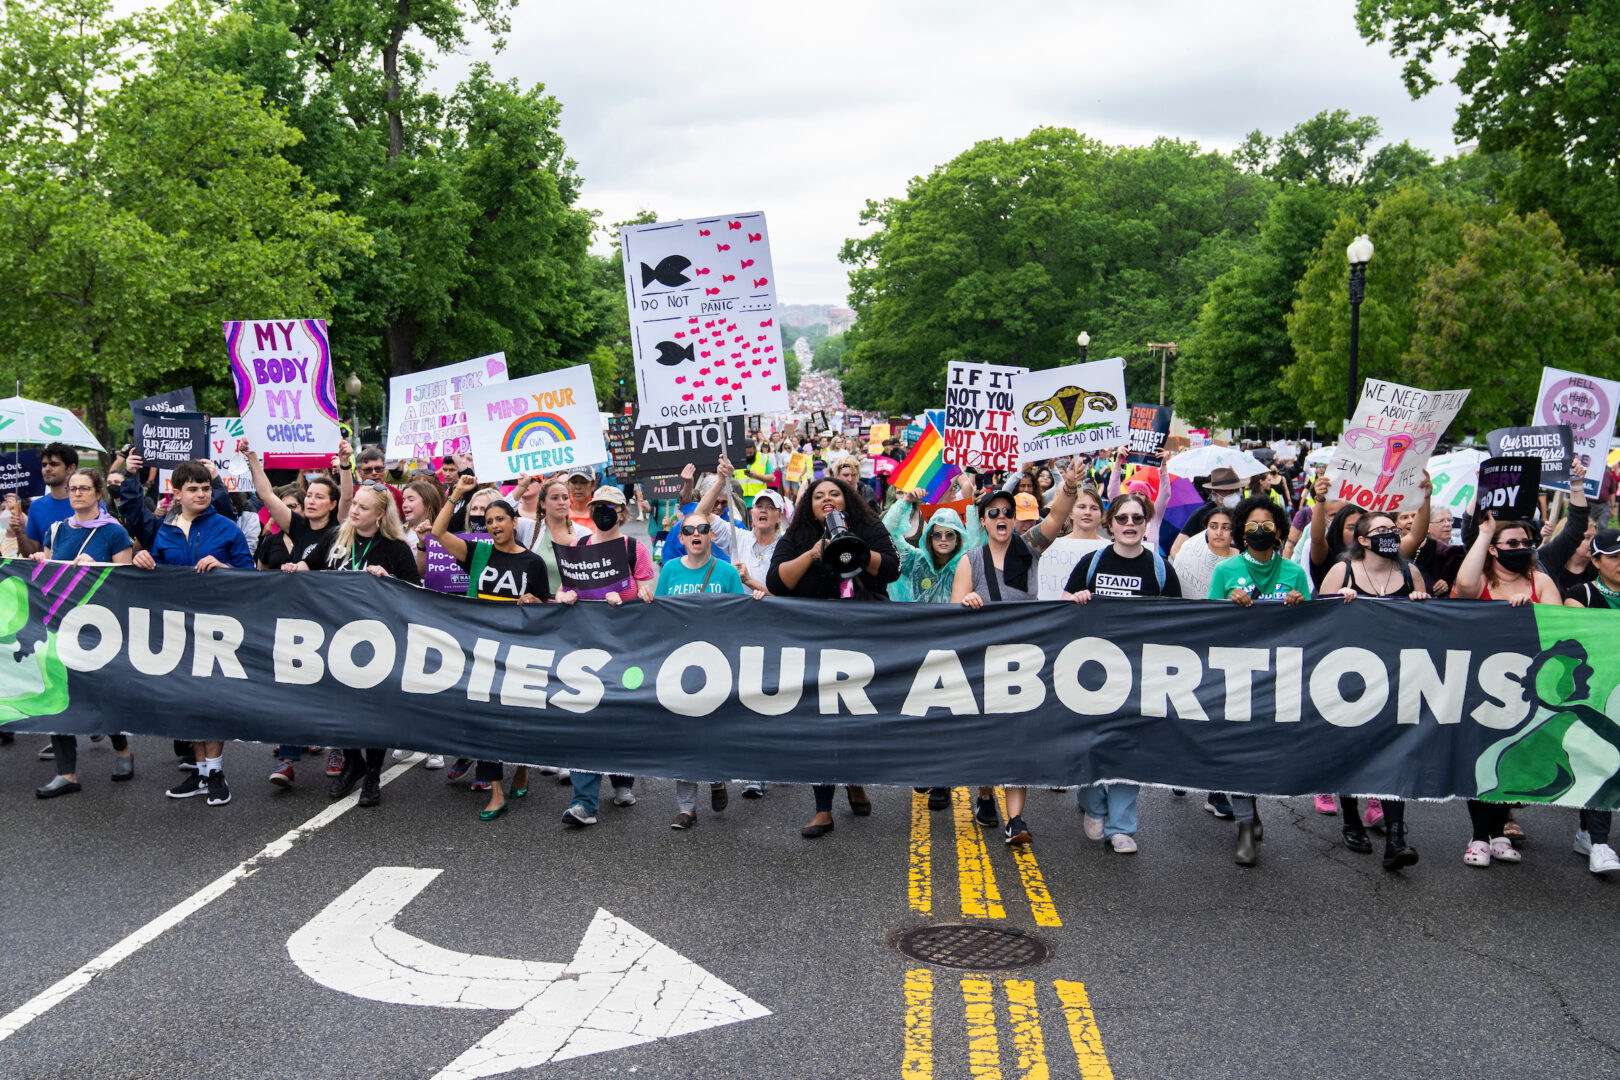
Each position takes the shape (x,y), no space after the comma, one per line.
(1272,581)
(678,579)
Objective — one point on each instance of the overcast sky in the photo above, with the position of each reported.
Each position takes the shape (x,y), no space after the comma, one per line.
(807,111)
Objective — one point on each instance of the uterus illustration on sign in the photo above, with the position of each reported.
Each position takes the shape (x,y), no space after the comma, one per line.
(1396,447)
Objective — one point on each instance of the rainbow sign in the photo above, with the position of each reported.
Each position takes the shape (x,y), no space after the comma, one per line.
(536,429)
(925,467)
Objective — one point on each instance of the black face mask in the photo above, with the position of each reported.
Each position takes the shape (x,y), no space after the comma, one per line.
(1259,539)
(1386,544)
(604,516)
(475,523)
(1515,560)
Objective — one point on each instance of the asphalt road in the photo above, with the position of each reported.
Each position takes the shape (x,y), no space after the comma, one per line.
(1316,963)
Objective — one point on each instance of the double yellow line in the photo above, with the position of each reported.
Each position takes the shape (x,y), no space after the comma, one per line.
(977,889)
(1023,1014)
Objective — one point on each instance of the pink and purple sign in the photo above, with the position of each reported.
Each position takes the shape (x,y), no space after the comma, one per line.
(1587,405)
(285,391)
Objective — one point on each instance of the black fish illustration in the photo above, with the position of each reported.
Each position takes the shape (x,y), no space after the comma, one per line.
(667,272)
(670,354)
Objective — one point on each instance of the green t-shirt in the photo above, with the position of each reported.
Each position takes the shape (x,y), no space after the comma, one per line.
(1272,581)
(678,579)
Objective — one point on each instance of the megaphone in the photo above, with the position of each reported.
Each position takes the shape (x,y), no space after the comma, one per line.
(844,553)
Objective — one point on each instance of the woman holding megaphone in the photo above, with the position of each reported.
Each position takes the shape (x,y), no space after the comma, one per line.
(835,549)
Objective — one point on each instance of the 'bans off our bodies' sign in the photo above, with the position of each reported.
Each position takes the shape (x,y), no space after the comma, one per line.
(285,391)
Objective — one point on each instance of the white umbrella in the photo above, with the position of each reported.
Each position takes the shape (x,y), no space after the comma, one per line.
(1320,456)
(25,421)
(1204,460)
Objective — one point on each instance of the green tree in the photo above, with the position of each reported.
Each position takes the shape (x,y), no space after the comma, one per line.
(1513,302)
(1228,371)
(1328,149)
(1412,232)
(830,354)
(144,200)
(1535,78)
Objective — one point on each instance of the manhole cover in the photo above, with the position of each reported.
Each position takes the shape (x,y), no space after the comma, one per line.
(977,947)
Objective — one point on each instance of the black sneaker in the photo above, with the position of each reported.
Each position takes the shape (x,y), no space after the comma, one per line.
(985,813)
(371,790)
(1016,834)
(939,798)
(219,793)
(193,784)
(1220,806)
(344,782)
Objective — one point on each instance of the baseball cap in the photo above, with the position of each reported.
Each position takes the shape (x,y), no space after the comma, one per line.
(1606,542)
(605,494)
(1028,509)
(586,472)
(768,496)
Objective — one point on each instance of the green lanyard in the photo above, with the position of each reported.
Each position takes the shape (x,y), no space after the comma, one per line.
(357,561)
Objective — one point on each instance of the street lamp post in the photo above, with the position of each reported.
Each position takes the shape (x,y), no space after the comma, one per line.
(1360,253)
(352,386)
(1084,341)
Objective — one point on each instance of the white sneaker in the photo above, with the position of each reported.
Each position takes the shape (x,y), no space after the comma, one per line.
(576,816)
(623,796)
(434,761)
(1583,842)
(1603,860)
(1123,845)
(1502,850)
(401,755)
(1092,825)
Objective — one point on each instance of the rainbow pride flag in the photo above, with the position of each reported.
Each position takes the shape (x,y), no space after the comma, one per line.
(925,467)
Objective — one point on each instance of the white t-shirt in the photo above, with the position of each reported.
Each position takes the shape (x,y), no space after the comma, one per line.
(748,554)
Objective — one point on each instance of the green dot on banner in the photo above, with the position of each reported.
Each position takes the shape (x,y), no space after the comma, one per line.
(632,678)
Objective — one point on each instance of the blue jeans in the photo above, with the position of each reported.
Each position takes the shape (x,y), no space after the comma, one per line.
(289,753)
(587,785)
(1114,803)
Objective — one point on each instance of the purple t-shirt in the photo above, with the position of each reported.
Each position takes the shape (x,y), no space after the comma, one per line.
(1302,520)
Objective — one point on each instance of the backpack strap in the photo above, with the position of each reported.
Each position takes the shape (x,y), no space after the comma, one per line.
(712,561)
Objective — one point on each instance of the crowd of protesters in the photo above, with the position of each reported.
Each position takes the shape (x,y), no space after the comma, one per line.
(758,527)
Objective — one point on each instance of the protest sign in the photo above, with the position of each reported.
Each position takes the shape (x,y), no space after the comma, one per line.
(1150,428)
(819,424)
(1509,487)
(1455,477)
(1553,444)
(285,392)
(594,570)
(1058,562)
(537,424)
(1378,462)
(170,401)
(1587,405)
(1074,409)
(662,487)
(167,439)
(702,298)
(979,430)
(1113,690)
(621,444)
(798,467)
(427,417)
(876,436)
(444,574)
(666,449)
(1197,437)
(223,431)
(20,475)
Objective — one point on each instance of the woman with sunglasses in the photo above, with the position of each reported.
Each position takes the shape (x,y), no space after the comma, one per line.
(1129,567)
(1602,593)
(1007,568)
(1376,569)
(797,570)
(1257,574)
(1500,565)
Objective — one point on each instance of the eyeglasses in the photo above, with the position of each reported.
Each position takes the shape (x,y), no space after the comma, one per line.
(373,468)
(1514,545)
(694,530)
(1387,530)
(80,490)
(997,512)
(1130,519)
(1263,526)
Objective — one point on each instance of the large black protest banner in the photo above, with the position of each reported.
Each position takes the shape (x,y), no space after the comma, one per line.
(164,440)
(1552,444)
(21,475)
(1427,700)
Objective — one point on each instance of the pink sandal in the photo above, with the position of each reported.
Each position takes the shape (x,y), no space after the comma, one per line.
(1502,850)
(1478,853)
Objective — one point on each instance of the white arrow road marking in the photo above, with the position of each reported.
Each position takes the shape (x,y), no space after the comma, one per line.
(622,987)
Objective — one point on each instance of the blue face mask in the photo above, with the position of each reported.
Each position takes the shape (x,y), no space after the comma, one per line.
(309,476)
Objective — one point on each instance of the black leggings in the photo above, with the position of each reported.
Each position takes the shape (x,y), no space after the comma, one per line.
(67,752)
(373,757)
(1488,818)
(1394,810)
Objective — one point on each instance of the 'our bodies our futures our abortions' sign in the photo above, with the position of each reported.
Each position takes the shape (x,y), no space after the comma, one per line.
(427,417)
(285,391)
(1379,461)
(979,430)
(702,298)
(1074,409)
(165,439)
(1588,406)
(1553,444)
(536,424)
(1433,700)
